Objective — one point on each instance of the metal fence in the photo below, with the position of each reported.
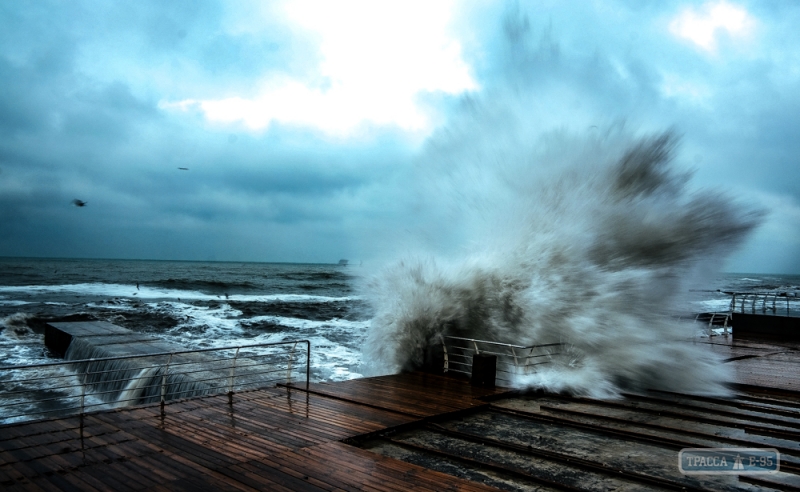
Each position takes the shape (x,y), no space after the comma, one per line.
(777,303)
(80,386)
(512,360)
(714,323)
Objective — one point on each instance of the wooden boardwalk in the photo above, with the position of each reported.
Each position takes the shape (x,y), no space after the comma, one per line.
(394,433)
(273,439)
(766,365)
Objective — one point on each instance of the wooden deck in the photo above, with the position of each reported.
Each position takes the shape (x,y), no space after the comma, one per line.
(768,365)
(274,439)
(394,433)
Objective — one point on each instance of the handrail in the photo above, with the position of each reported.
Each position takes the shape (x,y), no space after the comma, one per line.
(489,342)
(155,354)
(108,382)
(509,362)
(778,293)
(764,297)
(712,319)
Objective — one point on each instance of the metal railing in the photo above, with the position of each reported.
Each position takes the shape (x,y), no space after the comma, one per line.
(777,303)
(714,321)
(512,360)
(80,386)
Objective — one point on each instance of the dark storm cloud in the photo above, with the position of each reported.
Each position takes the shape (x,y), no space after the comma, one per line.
(84,113)
(79,118)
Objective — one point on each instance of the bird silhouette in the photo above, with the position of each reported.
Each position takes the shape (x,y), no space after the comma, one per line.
(78,203)
(183,168)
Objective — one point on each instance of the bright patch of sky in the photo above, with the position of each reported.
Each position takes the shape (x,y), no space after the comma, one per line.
(377,58)
(704,26)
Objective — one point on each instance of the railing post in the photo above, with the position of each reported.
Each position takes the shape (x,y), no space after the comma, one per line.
(289,365)
(308,366)
(484,370)
(83,386)
(231,376)
(525,369)
(164,384)
(446,359)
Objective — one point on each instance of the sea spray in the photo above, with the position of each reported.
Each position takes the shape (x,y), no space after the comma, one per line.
(587,241)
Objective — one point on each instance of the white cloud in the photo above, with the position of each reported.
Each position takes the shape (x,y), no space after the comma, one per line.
(703,27)
(377,57)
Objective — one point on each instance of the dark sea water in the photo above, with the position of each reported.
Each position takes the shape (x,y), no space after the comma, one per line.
(717,298)
(213,304)
(192,304)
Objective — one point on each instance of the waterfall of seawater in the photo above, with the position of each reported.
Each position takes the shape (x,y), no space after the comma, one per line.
(129,381)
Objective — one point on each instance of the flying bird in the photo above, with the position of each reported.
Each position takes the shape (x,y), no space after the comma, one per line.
(78,203)
(183,168)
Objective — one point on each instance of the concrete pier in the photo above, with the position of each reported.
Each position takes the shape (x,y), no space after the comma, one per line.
(137,378)
(112,339)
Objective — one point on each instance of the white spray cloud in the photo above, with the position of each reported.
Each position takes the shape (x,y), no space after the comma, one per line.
(594,255)
(542,234)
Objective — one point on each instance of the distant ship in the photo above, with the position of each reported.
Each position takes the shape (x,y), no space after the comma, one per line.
(343,262)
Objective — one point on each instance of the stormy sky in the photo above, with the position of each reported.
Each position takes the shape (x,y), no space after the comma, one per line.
(299,123)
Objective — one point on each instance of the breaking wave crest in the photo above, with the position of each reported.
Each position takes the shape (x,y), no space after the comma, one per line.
(588,241)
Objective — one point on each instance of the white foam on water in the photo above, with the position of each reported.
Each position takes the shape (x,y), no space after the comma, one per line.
(145,292)
(111,307)
(18,343)
(305,324)
(5,302)
(333,361)
(58,383)
(712,306)
(290,298)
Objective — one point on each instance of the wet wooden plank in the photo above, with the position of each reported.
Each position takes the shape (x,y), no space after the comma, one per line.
(768,372)
(262,441)
(338,412)
(413,394)
(353,465)
(275,478)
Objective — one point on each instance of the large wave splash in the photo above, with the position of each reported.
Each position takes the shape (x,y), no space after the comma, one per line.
(589,241)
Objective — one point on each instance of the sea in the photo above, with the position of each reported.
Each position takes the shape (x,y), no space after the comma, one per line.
(196,305)
(192,305)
